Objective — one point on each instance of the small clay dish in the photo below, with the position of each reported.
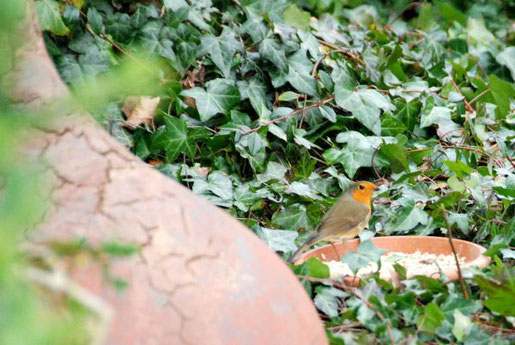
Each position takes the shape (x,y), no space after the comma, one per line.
(407,244)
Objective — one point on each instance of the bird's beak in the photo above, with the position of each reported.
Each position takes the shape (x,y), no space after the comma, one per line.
(376,189)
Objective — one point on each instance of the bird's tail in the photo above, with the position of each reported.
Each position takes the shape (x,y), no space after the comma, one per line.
(310,241)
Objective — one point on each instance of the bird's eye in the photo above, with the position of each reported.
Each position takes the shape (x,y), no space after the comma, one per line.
(361,186)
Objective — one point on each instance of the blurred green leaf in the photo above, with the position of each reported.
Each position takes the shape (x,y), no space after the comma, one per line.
(432,318)
(50,17)
(279,240)
(326,300)
(365,254)
(297,17)
(498,293)
(502,92)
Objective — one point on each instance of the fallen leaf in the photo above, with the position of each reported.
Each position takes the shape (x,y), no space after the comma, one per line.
(140,110)
(154,163)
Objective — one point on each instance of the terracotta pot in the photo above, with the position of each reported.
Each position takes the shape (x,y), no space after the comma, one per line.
(407,244)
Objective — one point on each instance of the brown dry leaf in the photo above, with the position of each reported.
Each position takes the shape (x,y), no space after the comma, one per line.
(140,110)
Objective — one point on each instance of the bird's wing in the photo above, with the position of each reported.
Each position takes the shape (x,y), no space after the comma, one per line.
(342,218)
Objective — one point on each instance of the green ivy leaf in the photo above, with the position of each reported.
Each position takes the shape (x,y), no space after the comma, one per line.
(255,91)
(365,254)
(219,97)
(50,17)
(303,82)
(432,318)
(507,58)
(327,298)
(95,21)
(293,217)
(358,152)
(297,17)
(498,294)
(221,50)
(316,269)
(407,113)
(175,5)
(461,169)
(462,325)
(365,105)
(175,140)
(396,154)
(279,240)
(271,50)
(502,92)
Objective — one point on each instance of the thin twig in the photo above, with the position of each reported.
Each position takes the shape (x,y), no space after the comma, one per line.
(466,148)
(350,54)
(449,235)
(479,96)
(326,54)
(293,113)
(467,104)
(373,165)
(410,6)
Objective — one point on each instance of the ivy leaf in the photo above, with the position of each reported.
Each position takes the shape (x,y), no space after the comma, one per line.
(365,254)
(478,33)
(175,140)
(288,96)
(459,168)
(95,21)
(462,325)
(407,113)
(301,189)
(440,116)
(293,217)
(219,97)
(407,218)
(297,17)
(119,25)
(502,92)
(358,152)
(432,318)
(221,50)
(221,57)
(50,18)
(279,240)
(244,197)
(397,156)
(220,185)
(507,58)
(461,220)
(174,5)
(327,298)
(155,39)
(390,126)
(498,294)
(301,81)
(271,50)
(364,104)
(255,91)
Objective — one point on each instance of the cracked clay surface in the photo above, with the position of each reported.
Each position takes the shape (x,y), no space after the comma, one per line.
(200,278)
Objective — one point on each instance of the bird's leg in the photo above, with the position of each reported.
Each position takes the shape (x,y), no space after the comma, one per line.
(336,251)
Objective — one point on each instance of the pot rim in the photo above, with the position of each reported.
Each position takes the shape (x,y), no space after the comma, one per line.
(480,261)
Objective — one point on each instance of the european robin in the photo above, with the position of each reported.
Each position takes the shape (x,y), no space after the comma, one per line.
(346,219)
